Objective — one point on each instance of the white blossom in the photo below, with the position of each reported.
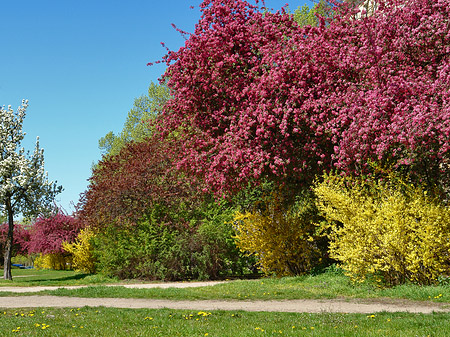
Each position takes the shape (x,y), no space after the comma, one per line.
(23,180)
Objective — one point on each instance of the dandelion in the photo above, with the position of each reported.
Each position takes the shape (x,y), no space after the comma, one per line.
(149,318)
(16,329)
(37,325)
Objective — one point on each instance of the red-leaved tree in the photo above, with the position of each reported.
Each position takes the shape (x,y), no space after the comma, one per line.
(21,238)
(255,95)
(47,233)
(126,186)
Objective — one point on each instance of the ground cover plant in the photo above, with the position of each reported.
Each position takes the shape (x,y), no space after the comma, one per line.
(144,322)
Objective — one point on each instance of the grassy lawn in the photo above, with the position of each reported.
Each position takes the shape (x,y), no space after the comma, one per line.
(33,277)
(148,322)
(144,322)
(323,286)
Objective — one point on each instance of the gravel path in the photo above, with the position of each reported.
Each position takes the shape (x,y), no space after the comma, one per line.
(312,306)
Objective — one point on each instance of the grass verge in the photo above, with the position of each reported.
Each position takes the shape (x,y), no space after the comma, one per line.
(328,285)
(34,277)
(164,322)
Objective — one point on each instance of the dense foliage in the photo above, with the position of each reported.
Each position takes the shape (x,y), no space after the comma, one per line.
(125,186)
(260,105)
(151,222)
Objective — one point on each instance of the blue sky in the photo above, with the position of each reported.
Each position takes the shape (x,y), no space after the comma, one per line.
(81,64)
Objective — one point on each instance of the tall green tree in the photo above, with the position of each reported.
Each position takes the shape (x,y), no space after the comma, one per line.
(137,126)
(309,16)
(24,185)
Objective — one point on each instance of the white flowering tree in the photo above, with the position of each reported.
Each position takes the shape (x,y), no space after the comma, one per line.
(24,185)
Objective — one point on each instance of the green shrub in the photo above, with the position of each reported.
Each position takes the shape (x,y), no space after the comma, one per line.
(387,230)
(202,248)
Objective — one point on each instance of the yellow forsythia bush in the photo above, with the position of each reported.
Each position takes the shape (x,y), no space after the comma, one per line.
(388,230)
(283,240)
(56,261)
(81,250)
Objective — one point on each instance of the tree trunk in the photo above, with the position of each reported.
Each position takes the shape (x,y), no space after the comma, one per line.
(9,243)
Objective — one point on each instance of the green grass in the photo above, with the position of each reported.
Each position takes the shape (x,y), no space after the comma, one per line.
(33,277)
(145,322)
(328,285)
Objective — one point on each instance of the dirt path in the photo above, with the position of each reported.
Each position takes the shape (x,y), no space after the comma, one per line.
(312,306)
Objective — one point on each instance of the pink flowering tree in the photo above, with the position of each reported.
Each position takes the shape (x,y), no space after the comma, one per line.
(47,233)
(256,96)
(235,129)
(390,75)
